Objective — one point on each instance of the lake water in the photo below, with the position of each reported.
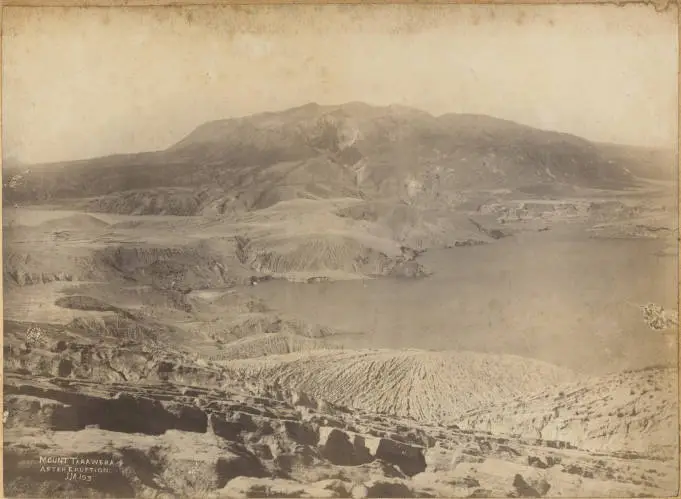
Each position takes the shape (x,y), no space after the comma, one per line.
(567,300)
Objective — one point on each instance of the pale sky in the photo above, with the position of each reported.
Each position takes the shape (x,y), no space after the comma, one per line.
(80,83)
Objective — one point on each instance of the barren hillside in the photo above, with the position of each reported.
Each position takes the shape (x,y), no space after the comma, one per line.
(630,411)
(314,152)
(405,383)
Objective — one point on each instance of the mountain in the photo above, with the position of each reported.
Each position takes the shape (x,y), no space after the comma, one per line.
(319,152)
(645,162)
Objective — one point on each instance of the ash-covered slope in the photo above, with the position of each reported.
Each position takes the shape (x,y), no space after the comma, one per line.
(350,150)
(263,345)
(633,411)
(427,386)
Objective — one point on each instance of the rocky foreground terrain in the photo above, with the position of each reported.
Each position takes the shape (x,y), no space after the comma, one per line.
(134,422)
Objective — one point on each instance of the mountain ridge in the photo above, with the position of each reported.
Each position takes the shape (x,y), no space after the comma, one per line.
(322,152)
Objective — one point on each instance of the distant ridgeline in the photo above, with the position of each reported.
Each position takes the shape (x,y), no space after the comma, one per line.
(321,152)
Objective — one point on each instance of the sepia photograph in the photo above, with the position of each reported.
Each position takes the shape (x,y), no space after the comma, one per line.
(353,251)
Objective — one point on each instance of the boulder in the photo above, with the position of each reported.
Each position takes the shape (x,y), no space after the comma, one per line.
(280,487)
(408,458)
(360,449)
(262,451)
(241,464)
(27,410)
(387,487)
(244,420)
(538,488)
(536,462)
(187,417)
(481,493)
(301,432)
(301,456)
(228,430)
(335,446)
